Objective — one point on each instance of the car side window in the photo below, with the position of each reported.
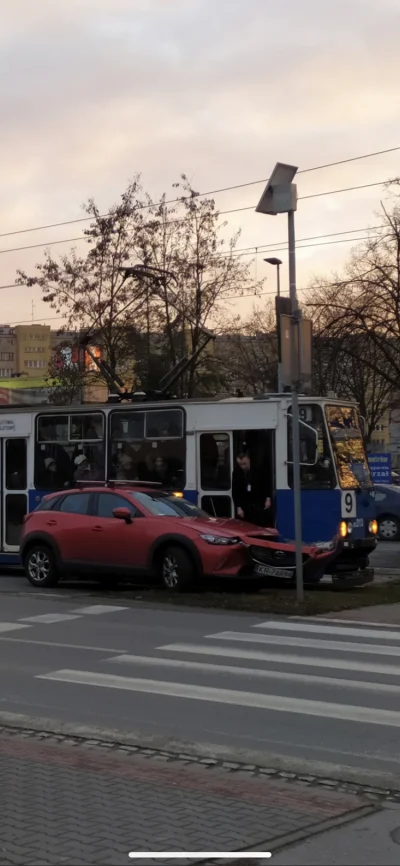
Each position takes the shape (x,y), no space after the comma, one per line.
(75,503)
(108,501)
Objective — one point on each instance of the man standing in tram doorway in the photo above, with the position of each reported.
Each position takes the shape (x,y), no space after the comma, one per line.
(251,499)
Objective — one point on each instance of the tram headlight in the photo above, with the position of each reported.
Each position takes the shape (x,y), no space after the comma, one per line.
(345,528)
(373,527)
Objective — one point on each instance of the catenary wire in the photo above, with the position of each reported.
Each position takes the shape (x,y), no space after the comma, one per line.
(210,192)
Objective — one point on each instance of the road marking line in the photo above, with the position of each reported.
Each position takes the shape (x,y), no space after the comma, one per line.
(284,640)
(96,609)
(344,712)
(49,617)
(256,673)
(334,630)
(280,658)
(344,621)
(11,626)
(97,649)
(203,855)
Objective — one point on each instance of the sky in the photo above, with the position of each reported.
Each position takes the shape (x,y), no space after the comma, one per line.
(95,91)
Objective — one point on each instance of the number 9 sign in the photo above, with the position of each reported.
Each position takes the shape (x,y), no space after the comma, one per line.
(348,503)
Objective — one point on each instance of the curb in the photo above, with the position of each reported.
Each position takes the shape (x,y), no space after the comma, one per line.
(369,785)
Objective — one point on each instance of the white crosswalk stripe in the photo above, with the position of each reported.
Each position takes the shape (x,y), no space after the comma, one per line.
(266,669)
(311,628)
(228,696)
(49,618)
(338,646)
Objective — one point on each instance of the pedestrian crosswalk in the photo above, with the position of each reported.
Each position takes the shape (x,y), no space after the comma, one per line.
(301,667)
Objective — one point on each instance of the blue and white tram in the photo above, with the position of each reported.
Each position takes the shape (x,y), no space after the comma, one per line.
(191,445)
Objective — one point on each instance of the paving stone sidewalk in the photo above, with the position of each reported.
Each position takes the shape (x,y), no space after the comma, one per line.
(63,802)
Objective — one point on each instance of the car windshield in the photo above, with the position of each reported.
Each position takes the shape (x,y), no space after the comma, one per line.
(348,447)
(167,505)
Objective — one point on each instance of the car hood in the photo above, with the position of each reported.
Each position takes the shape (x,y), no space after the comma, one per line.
(227,526)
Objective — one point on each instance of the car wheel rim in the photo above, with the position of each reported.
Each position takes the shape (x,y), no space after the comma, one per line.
(170,572)
(388,529)
(39,566)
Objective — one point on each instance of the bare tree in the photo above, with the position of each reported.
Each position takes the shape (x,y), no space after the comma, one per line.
(187,239)
(249,353)
(89,290)
(365,299)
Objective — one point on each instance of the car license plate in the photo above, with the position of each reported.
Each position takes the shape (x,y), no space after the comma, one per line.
(271,571)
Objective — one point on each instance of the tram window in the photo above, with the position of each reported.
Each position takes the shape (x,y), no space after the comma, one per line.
(217,506)
(126,427)
(69,449)
(164,424)
(16,464)
(215,461)
(52,428)
(161,462)
(159,458)
(16,508)
(86,427)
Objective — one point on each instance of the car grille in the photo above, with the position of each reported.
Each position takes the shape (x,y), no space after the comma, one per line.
(279,558)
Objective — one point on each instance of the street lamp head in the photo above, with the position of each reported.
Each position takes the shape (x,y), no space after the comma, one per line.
(273,261)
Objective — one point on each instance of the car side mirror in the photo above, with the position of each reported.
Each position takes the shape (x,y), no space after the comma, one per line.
(123,514)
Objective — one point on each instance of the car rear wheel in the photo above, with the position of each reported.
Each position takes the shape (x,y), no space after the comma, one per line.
(177,569)
(40,566)
(389,528)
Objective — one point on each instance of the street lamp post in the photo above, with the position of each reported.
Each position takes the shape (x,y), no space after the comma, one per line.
(280,196)
(277,264)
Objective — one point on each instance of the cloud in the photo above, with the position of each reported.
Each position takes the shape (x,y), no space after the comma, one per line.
(100,89)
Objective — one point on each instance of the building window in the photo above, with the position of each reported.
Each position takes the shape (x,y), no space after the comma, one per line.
(6,356)
(6,374)
(35,349)
(35,364)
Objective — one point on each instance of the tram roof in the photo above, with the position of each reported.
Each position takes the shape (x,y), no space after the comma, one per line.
(167,404)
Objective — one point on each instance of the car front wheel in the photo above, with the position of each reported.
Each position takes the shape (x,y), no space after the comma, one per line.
(40,566)
(389,528)
(177,569)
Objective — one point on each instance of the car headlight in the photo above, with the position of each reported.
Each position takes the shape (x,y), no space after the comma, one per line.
(219,539)
(373,527)
(325,545)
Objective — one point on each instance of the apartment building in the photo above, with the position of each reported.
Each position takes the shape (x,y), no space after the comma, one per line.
(33,349)
(8,352)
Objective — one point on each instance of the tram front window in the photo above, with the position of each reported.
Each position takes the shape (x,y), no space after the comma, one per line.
(348,447)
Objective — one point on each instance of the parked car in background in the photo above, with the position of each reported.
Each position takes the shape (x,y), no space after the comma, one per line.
(137,531)
(387,498)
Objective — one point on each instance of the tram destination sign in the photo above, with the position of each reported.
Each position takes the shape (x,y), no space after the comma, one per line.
(15,425)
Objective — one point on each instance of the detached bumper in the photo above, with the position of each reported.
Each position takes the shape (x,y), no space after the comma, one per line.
(351,579)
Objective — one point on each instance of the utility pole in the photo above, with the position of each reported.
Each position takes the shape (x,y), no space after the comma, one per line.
(280,196)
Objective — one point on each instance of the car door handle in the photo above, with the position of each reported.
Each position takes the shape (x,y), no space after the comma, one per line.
(97,529)
(51,523)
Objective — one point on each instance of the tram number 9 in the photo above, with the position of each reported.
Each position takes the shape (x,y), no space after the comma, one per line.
(348,504)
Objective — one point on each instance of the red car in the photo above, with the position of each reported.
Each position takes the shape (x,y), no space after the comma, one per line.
(138,531)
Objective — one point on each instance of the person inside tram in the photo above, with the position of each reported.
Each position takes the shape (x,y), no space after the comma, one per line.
(52,476)
(251,498)
(124,468)
(84,470)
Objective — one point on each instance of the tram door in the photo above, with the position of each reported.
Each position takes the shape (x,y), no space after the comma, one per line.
(215,465)
(14,491)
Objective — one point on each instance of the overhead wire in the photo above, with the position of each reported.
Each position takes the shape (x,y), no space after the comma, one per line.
(209,192)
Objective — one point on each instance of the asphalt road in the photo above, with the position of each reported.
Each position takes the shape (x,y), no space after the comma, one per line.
(387,555)
(306,694)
